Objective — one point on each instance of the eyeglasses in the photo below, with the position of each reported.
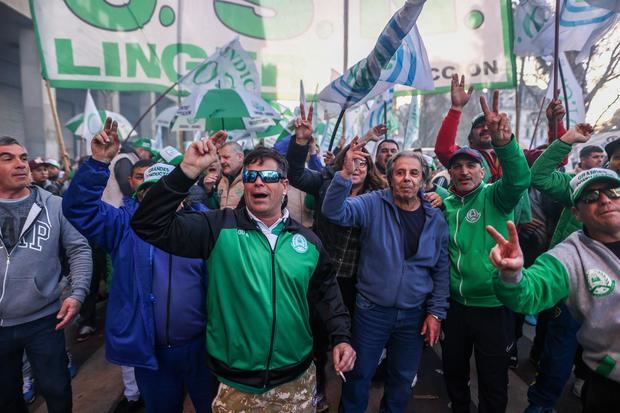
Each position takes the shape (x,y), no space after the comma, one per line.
(593,196)
(268,177)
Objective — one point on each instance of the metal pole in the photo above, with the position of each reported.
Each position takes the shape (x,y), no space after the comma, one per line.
(61,142)
(542,105)
(385,118)
(565,98)
(340,116)
(556,60)
(518,97)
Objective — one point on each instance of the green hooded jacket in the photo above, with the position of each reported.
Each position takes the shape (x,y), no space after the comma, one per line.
(471,272)
(548,180)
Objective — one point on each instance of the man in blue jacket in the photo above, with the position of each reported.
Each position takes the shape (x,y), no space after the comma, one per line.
(152,324)
(402,276)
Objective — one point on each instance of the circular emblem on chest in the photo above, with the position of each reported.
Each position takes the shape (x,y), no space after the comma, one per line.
(299,243)
(599,283)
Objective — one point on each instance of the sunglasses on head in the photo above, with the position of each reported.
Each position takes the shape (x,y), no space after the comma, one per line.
(268,177)
(590,197)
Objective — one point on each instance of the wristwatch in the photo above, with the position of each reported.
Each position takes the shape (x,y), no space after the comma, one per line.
(436,317)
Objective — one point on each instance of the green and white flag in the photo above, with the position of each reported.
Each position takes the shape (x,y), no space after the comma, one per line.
(91,124)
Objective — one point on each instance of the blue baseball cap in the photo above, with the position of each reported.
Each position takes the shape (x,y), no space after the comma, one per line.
(465,152)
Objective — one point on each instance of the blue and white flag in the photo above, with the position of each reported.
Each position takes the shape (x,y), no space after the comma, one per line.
(573,98)
(376,114)
(399,57)
(581,26)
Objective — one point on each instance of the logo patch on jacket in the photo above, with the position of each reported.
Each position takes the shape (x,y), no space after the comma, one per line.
(472,216)
(599,283)
(299,243)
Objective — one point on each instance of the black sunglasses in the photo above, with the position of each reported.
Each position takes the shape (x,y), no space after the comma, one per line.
(268,177)
(590,197)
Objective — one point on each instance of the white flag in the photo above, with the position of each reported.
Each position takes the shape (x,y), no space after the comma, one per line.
(399,57)
(91,123)
(581,26)
(231,67)
(573,101)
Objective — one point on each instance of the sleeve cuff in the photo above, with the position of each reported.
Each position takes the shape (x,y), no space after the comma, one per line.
(97,165)
(510,279)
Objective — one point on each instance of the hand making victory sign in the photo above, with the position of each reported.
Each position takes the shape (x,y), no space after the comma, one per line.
(105,145)
(303,125)
(506,255)
(201,154)
(498,123)
(353,157)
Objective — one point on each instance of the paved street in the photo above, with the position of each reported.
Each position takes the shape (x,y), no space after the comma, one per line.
(97,388)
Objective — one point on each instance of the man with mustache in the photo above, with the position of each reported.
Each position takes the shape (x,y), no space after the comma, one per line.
(402,287)
(582,271)
(229,189)
(477,321)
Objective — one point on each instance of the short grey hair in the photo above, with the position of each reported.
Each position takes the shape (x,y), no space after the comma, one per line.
(407,154)
(234,146)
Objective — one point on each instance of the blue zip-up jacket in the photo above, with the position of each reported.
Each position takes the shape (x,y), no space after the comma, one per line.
(385,277)
(134,321)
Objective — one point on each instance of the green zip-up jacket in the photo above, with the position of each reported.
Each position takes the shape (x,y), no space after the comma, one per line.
(585,273)
(548,180)
(471,272)
(259,300)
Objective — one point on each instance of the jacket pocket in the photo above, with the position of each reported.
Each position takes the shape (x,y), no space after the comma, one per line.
(23,298)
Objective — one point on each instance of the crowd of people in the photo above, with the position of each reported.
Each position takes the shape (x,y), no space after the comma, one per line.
(240,278)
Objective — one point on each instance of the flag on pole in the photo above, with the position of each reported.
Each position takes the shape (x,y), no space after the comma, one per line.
(376,113)
(230,67)
(573,100)
(412,131)
(91,124)
(581,26)
(399,57)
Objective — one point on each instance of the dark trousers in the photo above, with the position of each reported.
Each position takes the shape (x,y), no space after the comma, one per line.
(489,334)
(45,348)
(600,394)
(556,360)
(88,310)
(180,368)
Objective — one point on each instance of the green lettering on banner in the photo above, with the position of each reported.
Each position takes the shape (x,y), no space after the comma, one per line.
(111,59)
(169,59)
(99,13)
(244,20)
(64,60)
(135,55)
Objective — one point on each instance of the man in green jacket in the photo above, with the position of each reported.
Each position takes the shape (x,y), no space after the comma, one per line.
(477,320)
(583,270)
(267,273)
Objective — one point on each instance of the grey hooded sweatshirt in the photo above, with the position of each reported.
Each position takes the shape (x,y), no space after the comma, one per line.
(30,274)
(586,274)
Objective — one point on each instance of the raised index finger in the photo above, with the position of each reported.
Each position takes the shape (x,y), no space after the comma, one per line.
(310,113)
(496,235)
(302,111)
(107,125)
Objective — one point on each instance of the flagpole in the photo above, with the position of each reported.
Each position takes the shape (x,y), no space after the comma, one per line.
(385,118)
(542,105)
(331,142)
(565,97)
(518,96)
(61,141)
(556,61)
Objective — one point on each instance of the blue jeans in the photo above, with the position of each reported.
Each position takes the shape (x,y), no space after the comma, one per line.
(180,368)
(374,328)
(45,348)
(556,360)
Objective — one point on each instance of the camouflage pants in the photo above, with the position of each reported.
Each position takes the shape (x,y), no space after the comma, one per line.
(292,397)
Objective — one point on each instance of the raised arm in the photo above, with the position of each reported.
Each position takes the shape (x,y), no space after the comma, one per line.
(555,113)
(445,145)
(545,177)
(516,174)
(529,291)
(187,234)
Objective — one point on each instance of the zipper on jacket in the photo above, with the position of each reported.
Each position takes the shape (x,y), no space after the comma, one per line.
(458,260)
(6,272)
(168,300)
(273,308)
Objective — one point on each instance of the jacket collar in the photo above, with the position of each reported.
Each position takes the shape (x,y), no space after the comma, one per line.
(245,222)
(470,193)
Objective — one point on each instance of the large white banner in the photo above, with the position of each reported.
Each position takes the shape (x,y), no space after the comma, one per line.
(147,44)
